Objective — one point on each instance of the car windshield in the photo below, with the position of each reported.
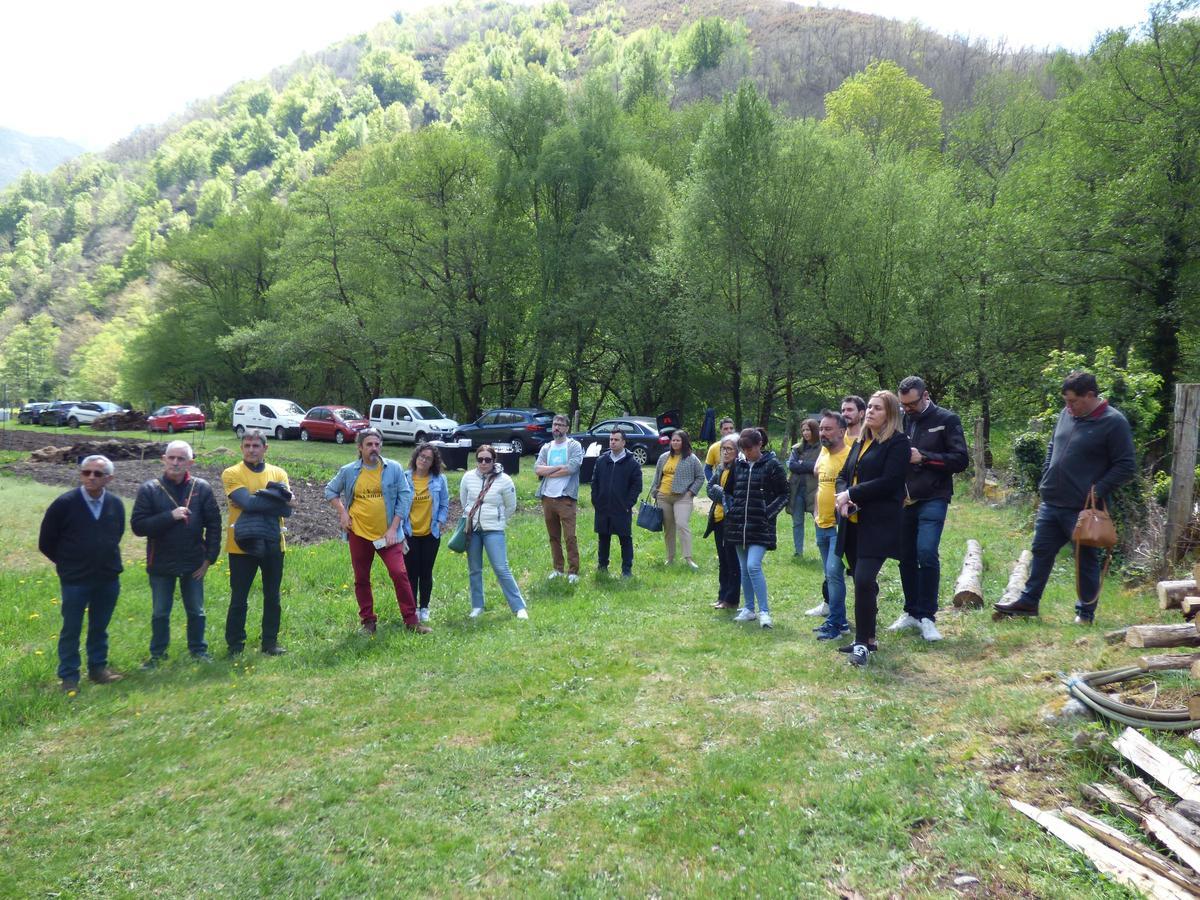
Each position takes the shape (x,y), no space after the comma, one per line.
(292,409)
(428,412)
(347,413)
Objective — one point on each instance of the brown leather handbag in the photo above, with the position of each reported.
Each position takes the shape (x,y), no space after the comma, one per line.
(1094,527)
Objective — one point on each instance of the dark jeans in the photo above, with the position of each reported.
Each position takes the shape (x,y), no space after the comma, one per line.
(1054,527)
(729,570)
(162,595)
(920,567)
(242,569)
(419,560)
(99,599)
(604,547)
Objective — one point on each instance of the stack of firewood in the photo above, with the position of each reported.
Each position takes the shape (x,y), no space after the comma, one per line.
(1174,828)
(114,450)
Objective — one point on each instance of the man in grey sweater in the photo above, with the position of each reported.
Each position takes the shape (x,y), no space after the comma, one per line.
(1092,447)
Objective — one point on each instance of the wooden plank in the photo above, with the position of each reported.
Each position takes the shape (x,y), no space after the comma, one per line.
(1165,662)
(1158,764)
(1135,850)
(1016,582)
(1124,870)
(1184,635)
(1183,466)
(968,590)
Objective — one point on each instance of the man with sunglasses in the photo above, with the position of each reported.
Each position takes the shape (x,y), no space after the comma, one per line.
(179,517)
(81,534)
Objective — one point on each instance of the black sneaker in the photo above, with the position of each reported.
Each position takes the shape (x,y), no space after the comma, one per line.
(236,649)
(860,655)
(849,648)
(274,650)
(153,663)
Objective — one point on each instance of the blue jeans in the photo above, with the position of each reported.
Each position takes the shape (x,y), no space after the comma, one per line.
(99,599)
(494,543)
(798,532)
(1054,527)
(835,575)
(920,567)
(754,583)
(162,595)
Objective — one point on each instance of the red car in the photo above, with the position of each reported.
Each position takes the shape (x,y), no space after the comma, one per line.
(176,418)
(332,423)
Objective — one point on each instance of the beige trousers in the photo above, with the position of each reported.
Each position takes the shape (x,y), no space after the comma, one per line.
(677,513)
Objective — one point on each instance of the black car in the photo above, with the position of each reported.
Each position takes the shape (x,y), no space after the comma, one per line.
(57,412)
(31,413)
(642,439)
(525,429)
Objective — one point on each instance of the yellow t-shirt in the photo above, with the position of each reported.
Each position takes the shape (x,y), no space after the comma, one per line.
(865,447)
(368,512)
(827,468)
(719,508)
(420,514)
(668,475)
(713,456)
(240,476)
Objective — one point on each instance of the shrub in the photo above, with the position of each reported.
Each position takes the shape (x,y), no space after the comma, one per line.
(220,413)
(1028,455)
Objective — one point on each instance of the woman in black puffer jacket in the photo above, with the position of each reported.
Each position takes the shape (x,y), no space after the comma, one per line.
(755,493)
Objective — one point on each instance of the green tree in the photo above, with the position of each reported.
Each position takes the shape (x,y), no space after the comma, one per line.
(888,107)
(27,363)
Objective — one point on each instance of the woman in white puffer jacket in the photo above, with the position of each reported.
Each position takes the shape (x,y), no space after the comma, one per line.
(489,500)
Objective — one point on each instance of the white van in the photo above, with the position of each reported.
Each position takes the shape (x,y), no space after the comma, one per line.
(410,420)
(278,418)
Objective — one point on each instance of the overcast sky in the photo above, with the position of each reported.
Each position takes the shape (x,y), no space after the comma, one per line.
(92,71)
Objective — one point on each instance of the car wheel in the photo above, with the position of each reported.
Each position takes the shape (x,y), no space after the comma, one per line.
(239,431)
(518,446)
(73,422)
(304,434)
(420,438)
(339,438)
(639,453)
(280,434)
(170,428)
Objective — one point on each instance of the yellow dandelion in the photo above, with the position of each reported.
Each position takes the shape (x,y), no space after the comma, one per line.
(72,693)
(37,652)
(54,602)
(35,616)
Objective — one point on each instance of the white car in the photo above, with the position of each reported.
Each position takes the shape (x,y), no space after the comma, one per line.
(279,419)
(87,413)
(410,420)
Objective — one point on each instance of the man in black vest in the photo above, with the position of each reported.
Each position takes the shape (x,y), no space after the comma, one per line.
(939,450)
(1091,448)
(179,517)
(616,485)
(81,534)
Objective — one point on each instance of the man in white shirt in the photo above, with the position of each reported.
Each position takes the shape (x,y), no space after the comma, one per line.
(557,466)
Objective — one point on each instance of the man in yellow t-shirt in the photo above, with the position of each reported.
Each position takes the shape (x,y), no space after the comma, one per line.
(241,482)
(713,457)
(834,451)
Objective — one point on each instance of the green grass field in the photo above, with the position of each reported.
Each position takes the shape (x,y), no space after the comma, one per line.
(628,740)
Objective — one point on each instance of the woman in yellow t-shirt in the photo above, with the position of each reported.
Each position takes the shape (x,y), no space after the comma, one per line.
(729,575)
(677,479)
(426,518)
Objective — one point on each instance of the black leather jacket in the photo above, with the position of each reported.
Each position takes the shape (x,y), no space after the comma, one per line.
(938,434)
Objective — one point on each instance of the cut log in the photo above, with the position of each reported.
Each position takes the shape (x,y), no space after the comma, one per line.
(1135,850)
(1171,593)
(1189,809)
(1115,637)
(1132,874)
(968,590)
(1184,635)
(1196,572)
(1190,606)
(1167,661)
(1159,765)
(1016,581)
(1194,707)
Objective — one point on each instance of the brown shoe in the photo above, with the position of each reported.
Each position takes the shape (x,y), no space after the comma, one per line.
(1014,608)
(67,686)
(419,629)
(104,675)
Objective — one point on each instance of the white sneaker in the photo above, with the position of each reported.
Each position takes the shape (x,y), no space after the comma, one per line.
(821,609)
(476,612)
(553,575)
(522,613)
(572,579)
(764,619)
(423,614)
(746,615)
(904,622)
(692,565)
(929,630)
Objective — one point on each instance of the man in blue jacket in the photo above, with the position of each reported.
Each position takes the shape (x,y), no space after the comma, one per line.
(1091,448)
(81,534)
(179,517)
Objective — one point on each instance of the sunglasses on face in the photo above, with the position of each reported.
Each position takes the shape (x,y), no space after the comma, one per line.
(483,459)
(89,473)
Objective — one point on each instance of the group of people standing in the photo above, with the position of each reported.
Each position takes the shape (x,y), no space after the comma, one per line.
(876,476)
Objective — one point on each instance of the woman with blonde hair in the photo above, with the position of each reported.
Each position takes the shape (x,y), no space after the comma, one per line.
(872,512)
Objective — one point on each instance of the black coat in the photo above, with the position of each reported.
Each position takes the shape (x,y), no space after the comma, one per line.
(173,546)
(616,487)
(754,495)
(879,496)
(938,434)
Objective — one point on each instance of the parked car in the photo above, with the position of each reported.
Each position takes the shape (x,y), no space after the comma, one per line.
(642,439)
(176,418)
(278,418)
(410,420)
(332,423)
(525,429)
(56,412)
(31,413)
(88,412)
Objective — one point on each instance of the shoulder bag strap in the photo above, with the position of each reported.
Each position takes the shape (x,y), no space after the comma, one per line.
(1091,604)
